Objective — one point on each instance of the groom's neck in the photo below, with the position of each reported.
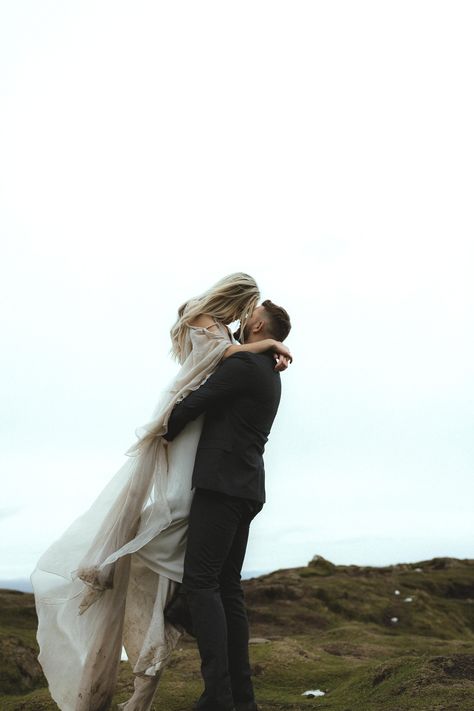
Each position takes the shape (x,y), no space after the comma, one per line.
(255,337)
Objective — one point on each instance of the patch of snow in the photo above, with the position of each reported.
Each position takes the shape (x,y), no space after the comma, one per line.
(397,592)
(394,619)
(124,655)
(418,570)
(408,599)
(312,693)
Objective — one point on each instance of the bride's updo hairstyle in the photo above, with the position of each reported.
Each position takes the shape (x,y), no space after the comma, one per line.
(233,298)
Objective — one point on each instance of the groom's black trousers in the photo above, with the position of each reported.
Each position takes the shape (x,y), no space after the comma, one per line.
(217,541)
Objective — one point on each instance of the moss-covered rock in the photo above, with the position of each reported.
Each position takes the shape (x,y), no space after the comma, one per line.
(20,669)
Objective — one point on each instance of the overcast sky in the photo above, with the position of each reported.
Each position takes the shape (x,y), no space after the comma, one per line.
(146,150)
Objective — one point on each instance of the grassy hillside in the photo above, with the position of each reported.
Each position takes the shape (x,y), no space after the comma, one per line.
(343,630)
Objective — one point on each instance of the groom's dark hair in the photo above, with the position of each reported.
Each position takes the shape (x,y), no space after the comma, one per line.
(278,321)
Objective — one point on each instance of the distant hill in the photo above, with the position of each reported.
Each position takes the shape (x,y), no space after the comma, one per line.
(24,584)
(20,584)
(392,638)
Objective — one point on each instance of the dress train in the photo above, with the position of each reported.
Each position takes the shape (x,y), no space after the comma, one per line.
(88,585)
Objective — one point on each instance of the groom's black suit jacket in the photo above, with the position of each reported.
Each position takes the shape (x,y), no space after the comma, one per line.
(240,401)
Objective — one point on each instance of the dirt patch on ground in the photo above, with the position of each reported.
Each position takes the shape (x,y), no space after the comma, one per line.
(346,649)
(454,666)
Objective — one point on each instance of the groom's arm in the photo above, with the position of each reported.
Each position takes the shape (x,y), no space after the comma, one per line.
(233,377)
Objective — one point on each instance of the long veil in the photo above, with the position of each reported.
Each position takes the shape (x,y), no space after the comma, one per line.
(80,583)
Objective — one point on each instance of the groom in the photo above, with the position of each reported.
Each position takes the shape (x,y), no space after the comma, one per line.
(240,401)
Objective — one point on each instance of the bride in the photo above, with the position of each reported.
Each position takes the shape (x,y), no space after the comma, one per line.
(107,580)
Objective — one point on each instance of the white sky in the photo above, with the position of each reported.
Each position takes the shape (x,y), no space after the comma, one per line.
(146,150)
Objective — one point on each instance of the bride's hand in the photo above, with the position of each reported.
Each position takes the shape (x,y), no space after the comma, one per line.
(282,350)
(281,362)
(282,356)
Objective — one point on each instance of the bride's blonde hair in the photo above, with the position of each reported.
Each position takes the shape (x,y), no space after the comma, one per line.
(233,298)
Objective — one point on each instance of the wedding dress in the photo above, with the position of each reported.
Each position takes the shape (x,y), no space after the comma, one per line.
(106,581)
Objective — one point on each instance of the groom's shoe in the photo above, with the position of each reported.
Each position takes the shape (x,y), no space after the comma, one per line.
(177,613)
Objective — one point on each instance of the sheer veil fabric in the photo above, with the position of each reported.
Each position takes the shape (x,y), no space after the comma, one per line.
(105,582)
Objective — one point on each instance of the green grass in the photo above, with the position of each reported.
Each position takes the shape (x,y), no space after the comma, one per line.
(328,629)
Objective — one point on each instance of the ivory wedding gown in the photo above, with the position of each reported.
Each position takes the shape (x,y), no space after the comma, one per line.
(106,581)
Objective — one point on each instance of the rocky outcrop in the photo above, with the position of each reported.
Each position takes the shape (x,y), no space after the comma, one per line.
(21,671)
(321,566)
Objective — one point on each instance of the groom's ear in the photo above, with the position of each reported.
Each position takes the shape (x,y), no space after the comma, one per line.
(258,326)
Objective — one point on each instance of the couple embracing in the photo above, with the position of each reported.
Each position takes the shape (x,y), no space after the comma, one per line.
(161,549)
